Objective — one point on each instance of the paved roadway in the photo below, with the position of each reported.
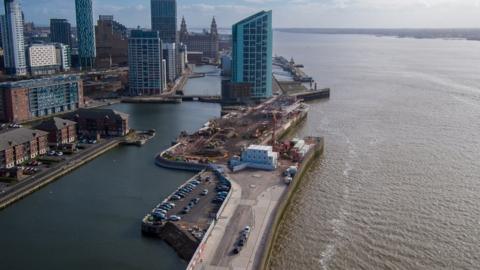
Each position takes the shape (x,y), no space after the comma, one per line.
(254,201)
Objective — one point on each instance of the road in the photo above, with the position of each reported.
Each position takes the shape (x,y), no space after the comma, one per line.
(258,194)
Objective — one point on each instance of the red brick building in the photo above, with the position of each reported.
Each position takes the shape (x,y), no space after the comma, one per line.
(25,100)
(60,131)
(20,145)
(100,122)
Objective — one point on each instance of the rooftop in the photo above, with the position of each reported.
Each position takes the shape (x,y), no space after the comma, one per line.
(260,147)
(18,136)
(40,82)
(55,124)
(97,113)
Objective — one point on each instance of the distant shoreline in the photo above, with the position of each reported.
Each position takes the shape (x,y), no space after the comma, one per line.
(472,34)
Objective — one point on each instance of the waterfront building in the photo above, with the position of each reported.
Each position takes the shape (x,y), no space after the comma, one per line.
(259,157)
(20,145)
(252,54)
(164,19)
(112,42)
(60,31)
(206,42)
(85,33)
(13,39)
(169,55)
(26,100)
(145,63)
(60,131)
(104,123)
(194,57)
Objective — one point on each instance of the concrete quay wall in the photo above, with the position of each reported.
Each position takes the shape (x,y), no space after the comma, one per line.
(286,203)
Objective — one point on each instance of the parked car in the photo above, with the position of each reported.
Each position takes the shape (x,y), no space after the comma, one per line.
(175,218)
(195,201)
(175,198)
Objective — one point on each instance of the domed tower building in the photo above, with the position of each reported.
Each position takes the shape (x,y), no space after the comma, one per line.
(205,42)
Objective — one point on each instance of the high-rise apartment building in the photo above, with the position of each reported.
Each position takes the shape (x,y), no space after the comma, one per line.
(252,54)
(146,70)
(86,33)
(164,19)
(13,39)
(60,31)
(169,55)
(111,41)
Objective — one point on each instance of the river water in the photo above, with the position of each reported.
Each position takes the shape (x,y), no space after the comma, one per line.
(399,185)
(90,219)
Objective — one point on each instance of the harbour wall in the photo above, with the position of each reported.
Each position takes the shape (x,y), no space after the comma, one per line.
(286,203)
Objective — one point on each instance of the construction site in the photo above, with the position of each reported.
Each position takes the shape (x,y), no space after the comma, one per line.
(224,138)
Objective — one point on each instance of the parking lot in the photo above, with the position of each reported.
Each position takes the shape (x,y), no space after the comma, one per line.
(194,205)
(201,212)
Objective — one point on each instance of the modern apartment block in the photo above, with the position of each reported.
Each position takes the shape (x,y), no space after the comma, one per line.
(30,99)
(252,54)
(206,42)
(45,59)
(85,33)
(111,41)
(20,145)
(64,56)
(60,31)
(170,57)
(164,19)
(13,38)
(145,63)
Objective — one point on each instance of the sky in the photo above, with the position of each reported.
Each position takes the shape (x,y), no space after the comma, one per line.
(286,13)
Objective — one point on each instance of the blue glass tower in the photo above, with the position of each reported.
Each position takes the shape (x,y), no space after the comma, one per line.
(252,54)
(13,39)
(86,33)
(164,19)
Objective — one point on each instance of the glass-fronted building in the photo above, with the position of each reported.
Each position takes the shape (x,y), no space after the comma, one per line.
(252,54)
(164,19)
(13,38)
(29,99)
(86,33)
(60,31)
(146,70)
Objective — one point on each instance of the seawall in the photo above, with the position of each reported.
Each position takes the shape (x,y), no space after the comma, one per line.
(286,203)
